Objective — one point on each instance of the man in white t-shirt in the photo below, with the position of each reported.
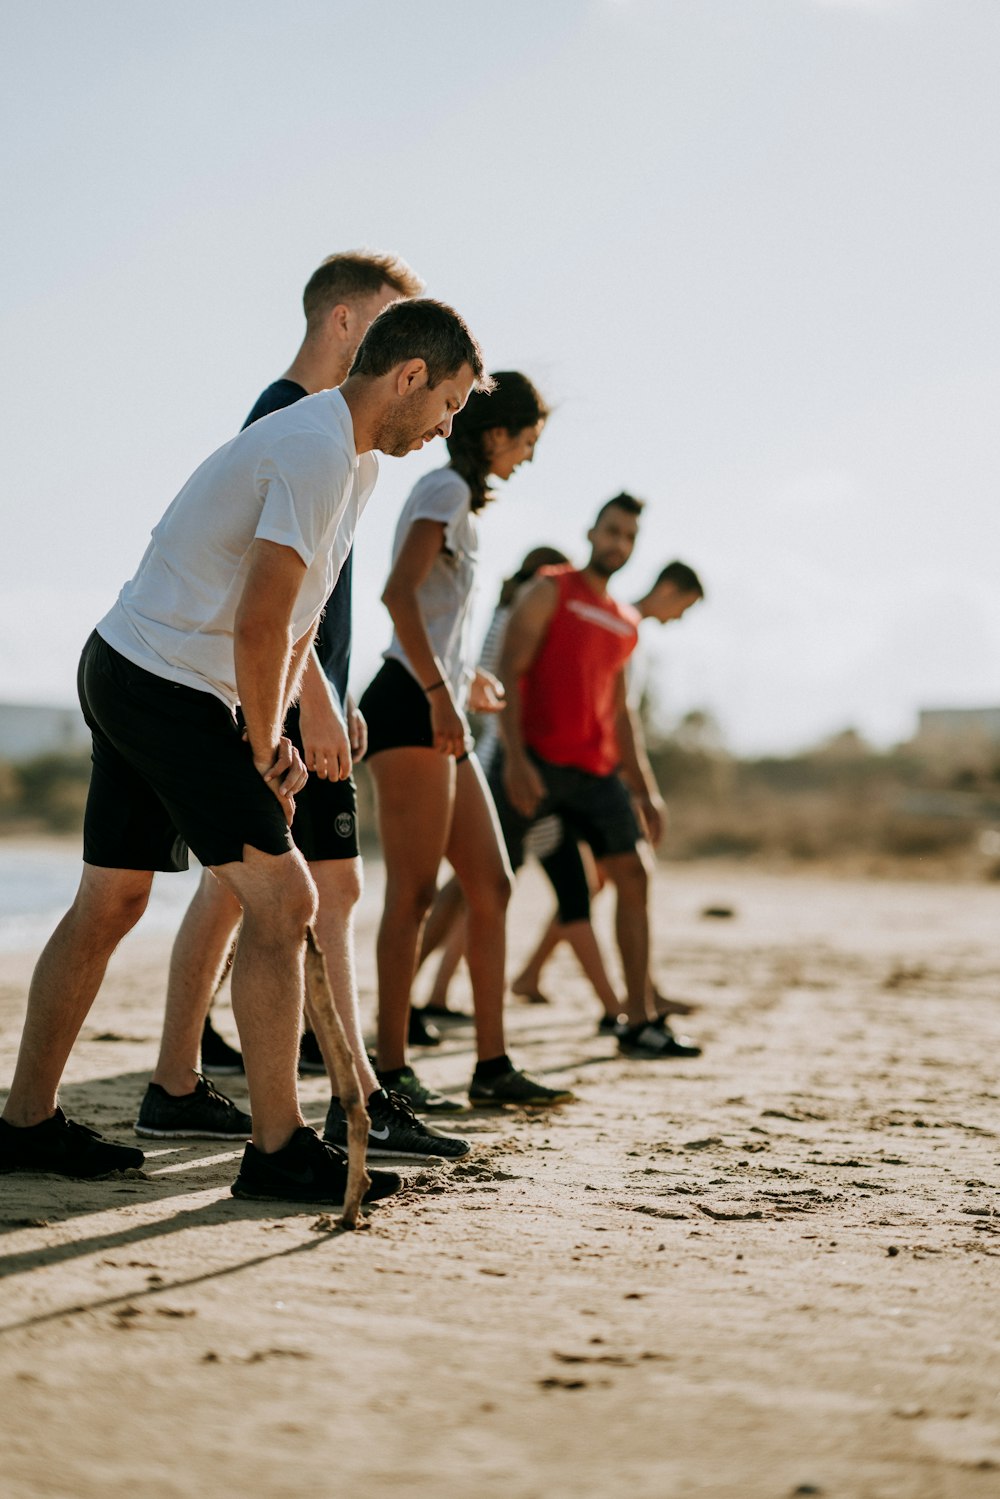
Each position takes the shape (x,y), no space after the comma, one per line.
(221,612)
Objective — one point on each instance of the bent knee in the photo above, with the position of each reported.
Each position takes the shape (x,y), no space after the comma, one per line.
(340,883)
(410,902)
(284,900)
(114,911)
(630,873)
(491,893)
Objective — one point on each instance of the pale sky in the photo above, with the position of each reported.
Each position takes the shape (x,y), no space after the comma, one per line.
(748,249)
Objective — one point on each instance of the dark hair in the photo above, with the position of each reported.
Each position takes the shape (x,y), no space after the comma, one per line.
(356,273)
(513,404)
(683,578)
(538,557)
(623,501)
(421,329)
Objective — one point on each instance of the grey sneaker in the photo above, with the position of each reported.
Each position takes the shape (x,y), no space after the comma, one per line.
(204,1114)
(422,1099)
(516,1087)
(395,1130)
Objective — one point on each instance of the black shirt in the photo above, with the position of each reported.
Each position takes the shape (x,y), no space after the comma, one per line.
(333,634)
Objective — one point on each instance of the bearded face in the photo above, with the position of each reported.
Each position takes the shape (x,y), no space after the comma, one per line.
(412,421)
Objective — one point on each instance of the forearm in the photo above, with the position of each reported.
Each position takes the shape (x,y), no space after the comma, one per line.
(511,722)
(636,770)
(412,632)
(315,691)
(264,653)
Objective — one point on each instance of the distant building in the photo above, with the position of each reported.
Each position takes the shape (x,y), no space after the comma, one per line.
(30,729)
(950,732)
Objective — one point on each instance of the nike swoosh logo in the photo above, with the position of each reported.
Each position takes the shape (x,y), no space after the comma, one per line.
(379,1134)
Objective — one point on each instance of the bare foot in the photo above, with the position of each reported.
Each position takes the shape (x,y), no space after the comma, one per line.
(665,1006)
(528,993)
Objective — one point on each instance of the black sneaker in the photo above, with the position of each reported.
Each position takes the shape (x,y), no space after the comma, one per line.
(310,1057)
(62,1146)
(217,1055)
(654,1039)
(307,1169)
(423,1099)
(610,1025)
(395,1130)
(445,1015)
(420,1031)
(516,1087)
(204,1114)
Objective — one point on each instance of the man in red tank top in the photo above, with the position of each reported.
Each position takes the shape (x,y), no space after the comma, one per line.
(568,732)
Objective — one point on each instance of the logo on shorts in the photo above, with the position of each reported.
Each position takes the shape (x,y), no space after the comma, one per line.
(344,824)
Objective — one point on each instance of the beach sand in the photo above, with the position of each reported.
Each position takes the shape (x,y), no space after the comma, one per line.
(771,1271)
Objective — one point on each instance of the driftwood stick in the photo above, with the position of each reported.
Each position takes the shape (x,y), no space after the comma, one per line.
(333,1043)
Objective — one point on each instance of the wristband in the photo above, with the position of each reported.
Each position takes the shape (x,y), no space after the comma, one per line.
(435,685)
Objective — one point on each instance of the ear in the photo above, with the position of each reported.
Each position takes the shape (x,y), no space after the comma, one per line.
(411,376)
(338,321)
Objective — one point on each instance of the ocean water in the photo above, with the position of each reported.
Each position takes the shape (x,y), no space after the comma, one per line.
(38,881)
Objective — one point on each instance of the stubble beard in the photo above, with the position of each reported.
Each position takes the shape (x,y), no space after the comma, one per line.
(398,433)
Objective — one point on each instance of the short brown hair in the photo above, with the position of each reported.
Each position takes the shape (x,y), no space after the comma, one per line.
(353,274)
(420,329)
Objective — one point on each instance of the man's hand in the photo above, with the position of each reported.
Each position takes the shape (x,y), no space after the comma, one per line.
(487,693)
(325,738)
(448,723)
(652,815)
(284,775)
(523,785)
(357,730)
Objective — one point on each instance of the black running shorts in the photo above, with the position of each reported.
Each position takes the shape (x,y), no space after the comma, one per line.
(396,711)
(171,771)
(326,812)
(596,809)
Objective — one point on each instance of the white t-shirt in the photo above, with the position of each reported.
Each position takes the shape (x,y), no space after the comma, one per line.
(445,595)
(293,478)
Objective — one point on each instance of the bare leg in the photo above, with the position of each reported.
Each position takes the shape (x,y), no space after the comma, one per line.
(452,954)
(415,793)
(197,966)
(338,884)
(448,906)
(65,982)
(628,874)
(279,900)
(528,984)
(583,940)
(479,859)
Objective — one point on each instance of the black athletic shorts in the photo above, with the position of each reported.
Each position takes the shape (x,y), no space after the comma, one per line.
(596,809)
(396,711)
(171,771)
(326,812)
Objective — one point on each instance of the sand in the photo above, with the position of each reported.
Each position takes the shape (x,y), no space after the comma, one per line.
(770,1271)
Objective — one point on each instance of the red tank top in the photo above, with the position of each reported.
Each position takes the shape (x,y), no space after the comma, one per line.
(568,693)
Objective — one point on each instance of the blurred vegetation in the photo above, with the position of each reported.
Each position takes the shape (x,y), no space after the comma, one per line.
(46,794)
(869,811)
(841,803)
